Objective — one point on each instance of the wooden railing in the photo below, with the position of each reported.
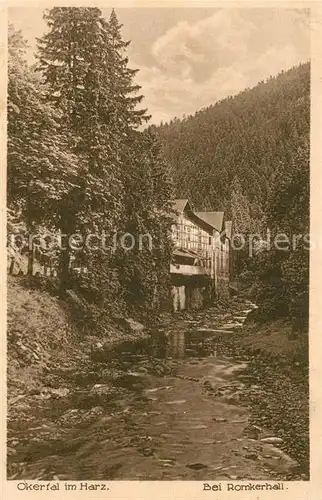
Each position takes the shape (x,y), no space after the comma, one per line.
(187,270)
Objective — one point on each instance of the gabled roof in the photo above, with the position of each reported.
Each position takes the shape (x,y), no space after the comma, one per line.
(213,219)
(228,228)
(180,204)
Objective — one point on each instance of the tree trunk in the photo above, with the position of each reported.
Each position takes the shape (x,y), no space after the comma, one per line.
(31,252)
(12,265)
(67,228)
(64,270)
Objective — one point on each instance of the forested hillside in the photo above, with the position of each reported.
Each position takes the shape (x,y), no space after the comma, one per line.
(237,143)
(108,347)
(81,163)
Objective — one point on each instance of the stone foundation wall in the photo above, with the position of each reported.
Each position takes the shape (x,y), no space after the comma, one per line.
(178,294)
(223,288)
(190,296)
(185,297)
(196,298)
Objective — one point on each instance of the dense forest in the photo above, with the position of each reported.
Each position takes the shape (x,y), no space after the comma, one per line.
(90,334)
(80,163)
(249,155)
(238,142)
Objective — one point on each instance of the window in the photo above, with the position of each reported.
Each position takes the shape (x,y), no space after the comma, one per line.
(209,240)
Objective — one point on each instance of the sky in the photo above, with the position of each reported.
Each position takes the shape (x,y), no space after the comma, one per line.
(189,58)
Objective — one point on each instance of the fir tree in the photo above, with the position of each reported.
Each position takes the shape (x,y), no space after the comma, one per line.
(147,197)
(74,60)
(144,272)
(124,187)
(41,169)
(122,89)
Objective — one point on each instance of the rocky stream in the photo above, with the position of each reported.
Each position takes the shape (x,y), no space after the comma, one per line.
(173,406)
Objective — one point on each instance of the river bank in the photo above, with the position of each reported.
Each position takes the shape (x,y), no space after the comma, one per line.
(44,340)
(278,369)
(192,400)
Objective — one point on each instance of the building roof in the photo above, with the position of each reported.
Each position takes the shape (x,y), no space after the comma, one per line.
(180,204)
(213,219)
(228,228)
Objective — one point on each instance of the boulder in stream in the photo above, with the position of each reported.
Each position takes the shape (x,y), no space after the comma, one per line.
(272,440)
(197,466)
(101,389)
(132,325)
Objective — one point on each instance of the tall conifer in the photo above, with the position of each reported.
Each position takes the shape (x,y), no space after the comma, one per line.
(74,60)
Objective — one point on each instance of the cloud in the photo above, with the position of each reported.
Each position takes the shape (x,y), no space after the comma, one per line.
(196,64)
(185,65)
(203,46)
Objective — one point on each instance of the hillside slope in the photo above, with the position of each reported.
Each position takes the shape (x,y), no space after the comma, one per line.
(44,340)
(245,136)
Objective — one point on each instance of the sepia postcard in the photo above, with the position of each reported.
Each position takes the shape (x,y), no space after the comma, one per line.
(161,211)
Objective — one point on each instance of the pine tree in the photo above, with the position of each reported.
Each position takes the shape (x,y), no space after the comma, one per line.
(41,169)
(74,60)
(147,186)
(281,276)
(144,272)
(122,89)
(124,185)
(240,208)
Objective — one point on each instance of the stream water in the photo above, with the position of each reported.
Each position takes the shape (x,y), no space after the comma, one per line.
(170,407)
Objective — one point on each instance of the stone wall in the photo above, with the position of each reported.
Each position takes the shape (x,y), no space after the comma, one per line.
(178,294)
(198,296)
(185,297)
(222,288)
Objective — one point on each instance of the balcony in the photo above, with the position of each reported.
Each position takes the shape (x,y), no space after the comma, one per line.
(189,270)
